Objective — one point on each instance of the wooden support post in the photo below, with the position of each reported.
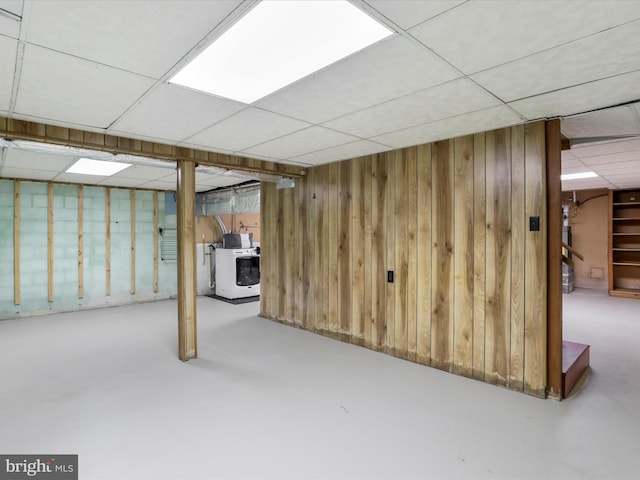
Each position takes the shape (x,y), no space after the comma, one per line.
(133,242)
(554,259)
(107,202)
(155,242)
(16,242)
(186,198)
(80,242)
(50,241)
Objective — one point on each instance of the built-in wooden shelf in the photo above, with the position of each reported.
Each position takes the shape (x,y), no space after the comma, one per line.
(625,292)
(624,243)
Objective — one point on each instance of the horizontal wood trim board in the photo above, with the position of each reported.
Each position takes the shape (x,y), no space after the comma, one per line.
(39,132)
(449,220)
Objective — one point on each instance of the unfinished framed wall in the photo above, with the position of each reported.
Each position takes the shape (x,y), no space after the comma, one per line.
(70,247)
(450,220)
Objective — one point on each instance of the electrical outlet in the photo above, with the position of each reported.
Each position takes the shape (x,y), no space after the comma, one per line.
(534,224)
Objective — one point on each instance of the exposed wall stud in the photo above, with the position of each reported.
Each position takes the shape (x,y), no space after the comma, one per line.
(107,202)
(16,242)
(80,242)
(155,242)
(133,242)
(50,241)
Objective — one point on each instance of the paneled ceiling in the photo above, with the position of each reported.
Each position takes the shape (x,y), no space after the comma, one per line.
(451,68)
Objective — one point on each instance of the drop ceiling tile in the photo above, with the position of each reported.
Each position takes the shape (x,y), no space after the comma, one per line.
(388,69)
(145,37)
(612,158)
(7,61)
(13,172)
(606,148)
(342,152)
(75,90)
(571,163)
(38,161)
(585,184)
(611,121)
(408,13)
(580,98)
(301,142)
(9,27)
(482,120)
(567,155)
(576,169)
(159,185)
(613,168)
(245,129)
(79,178)
(442,101)
(173,113)
(143,172)
(609,53)
(488,33)
(115,181)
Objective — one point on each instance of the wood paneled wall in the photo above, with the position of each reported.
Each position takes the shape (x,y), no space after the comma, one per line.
(451,221)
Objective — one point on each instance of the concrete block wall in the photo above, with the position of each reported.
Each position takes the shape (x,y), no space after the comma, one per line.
(34,249)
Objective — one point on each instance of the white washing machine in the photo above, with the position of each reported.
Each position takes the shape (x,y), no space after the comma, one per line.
(237,272)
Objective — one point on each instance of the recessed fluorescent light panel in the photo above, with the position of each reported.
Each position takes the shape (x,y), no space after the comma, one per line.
(277,43)
(578,176)
(86,166)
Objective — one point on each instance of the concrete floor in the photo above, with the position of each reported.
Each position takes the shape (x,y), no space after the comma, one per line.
(268,401)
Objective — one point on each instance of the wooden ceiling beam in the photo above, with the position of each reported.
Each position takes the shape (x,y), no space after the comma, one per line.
(39,132)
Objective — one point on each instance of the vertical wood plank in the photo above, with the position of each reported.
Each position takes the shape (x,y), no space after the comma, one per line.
(367,196)
(332,223)
(479,254)
(132,194)
(265,260)
(186,197)
(442,256)
(424,175)
(16,242)
(281,255)
(390,159)
(108,240)
(516,362)
(322,300)
(269,290)
(316,227)
(289,256)
(463,257)
(412,252)
(301,242)
(50,206)
(379,254)
(497,339)
(155,242)
(400,214)
(80,241)
(345,266)
(536,176)
(358,251)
